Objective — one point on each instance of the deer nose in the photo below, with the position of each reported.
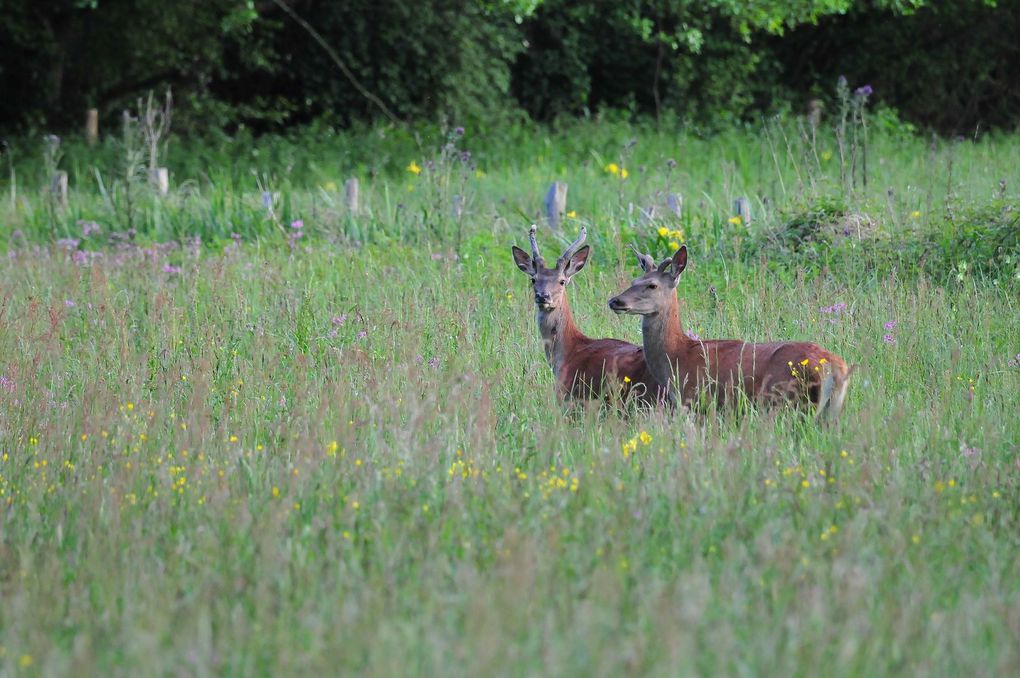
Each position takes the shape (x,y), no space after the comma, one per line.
(542,298)
(616,305)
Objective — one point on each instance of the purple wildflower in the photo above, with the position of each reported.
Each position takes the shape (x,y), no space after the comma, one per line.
(864,91)
(836,308)
(68,244)
(171,269)
(297,224)
(692,335)
(6,383)
(267,200)
(434,362)
(465,157)
(339,320)
(88,228)
(1014,362)
(362,334)
(69,304)
(889,339)
(459,131)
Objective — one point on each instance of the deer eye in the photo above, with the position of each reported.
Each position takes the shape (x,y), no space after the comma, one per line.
(533,281)
(652,286)
(563,282)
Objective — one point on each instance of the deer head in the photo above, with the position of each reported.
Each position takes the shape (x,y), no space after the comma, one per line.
(654,291)
(550,284)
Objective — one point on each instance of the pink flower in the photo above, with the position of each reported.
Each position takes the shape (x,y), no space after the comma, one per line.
(297,224)
(889,339)
(6,383)
(890,325)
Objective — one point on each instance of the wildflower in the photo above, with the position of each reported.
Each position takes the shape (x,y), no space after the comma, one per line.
(6,383)
(297,224)
(1014,362)
(890,325)
(267,200)
(805,361)
(434,362)
(663,231)
(623,173)
(915,214)
(826,156)
(864,91)
(25,661)
(889,339)
(645,438)
(459,131)
(613,169)
(276,492)
(413,168)
(916,539)
(692,336)
(836,308)
(626,380)
(171,269)
(69,304)
(674,245)
(572,214)
(362,334)
(88,228)
(735,220)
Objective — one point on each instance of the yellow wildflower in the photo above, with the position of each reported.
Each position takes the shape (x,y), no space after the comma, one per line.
(623,173)
(805,361)
(674,245)
(276,491)
(663,231)
(736,220)
(645,438)
(413,168)
(915,214)
(613,168)
(626,380)
(572,214)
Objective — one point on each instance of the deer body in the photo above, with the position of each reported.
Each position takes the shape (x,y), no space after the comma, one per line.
(584,368)
(724,369)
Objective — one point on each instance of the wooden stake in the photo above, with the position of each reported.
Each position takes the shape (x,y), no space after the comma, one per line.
(742,209)
(556,204)
(160,178)
(58,189)
(351,195)
(92,126)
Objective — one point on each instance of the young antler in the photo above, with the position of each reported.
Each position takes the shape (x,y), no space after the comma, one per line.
(534,245)
(574,246)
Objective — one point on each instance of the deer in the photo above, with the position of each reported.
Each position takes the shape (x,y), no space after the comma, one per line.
(584,368)
(697,372)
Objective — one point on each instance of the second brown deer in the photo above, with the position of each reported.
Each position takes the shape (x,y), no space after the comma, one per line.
(723,370)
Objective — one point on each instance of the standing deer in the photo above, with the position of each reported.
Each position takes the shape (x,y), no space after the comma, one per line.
(583,367)
(801,372)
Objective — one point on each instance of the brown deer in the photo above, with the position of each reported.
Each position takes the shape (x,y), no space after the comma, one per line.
(725,369)
(583,367)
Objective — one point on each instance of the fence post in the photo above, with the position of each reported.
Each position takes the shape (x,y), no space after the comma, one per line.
(351,195)
(92,126)
(742,209)
(160,178)
(556,204)
(58,189)
(675,203)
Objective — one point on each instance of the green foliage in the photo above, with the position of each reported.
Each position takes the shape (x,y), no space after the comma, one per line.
(484,62)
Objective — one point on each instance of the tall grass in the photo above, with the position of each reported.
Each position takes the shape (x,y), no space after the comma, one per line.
(344,453)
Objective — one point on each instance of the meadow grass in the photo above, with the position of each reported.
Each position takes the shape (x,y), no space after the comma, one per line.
(342,452)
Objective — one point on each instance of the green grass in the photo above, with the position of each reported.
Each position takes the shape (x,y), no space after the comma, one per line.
(209,471)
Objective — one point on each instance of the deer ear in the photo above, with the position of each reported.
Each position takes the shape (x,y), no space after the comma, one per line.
(522,260)
(577,262)
(678,263)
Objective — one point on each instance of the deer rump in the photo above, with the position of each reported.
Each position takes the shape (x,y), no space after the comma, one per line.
(768,373)
(597,369)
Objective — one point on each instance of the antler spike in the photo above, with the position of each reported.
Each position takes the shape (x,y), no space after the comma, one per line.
(646,261)
(574,246)
(534,243)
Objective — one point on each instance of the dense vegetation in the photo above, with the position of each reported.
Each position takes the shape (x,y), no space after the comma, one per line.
(951,66)
(244,429)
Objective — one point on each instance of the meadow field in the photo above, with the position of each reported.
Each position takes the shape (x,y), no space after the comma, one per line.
(245,430)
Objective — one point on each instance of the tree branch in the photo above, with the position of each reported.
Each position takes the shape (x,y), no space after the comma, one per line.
(338,61)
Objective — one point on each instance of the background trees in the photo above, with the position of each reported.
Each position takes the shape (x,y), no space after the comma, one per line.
(946,65)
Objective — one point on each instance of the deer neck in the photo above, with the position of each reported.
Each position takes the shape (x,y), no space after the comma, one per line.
(559,334)
(665,343)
